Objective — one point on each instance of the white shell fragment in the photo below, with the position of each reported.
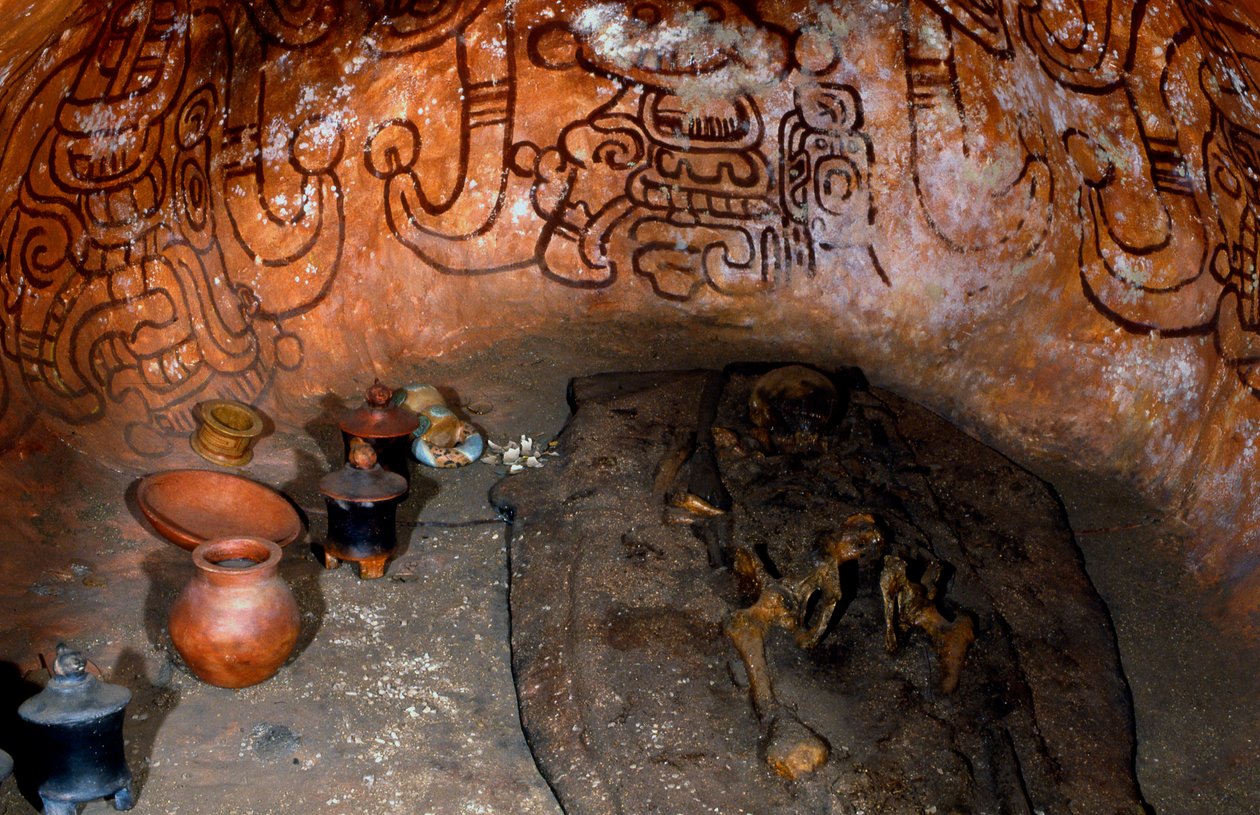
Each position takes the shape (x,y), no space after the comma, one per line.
(519,455)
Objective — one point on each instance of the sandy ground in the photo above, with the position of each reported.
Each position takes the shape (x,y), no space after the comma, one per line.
(400,696)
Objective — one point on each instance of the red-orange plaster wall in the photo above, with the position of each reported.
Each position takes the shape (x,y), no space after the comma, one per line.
(1040,222)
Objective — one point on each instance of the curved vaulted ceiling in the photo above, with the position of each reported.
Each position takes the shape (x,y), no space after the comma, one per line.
(1039,218)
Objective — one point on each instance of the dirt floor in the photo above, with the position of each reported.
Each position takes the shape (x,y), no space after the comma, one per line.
(400,696)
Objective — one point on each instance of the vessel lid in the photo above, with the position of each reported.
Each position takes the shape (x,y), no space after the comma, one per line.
(378,418)
(72,695)
(6,765)
(362,479)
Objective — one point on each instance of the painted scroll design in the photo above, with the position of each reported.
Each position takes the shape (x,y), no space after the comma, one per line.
(1230,45)
(1165,246)
(294,23)
(1085,45)
(282,198)
(630,186)
(119,296)
(693,205)
(702,215)
(163,234)
(825,171)
(981,20)
(460,230)
(678,188)
(1167,232)
(412,26)
(695,209)
(1010,176)
(1145,249)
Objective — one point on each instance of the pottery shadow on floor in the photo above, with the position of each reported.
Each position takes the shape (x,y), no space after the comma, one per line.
(15,689)
(302,574)
(324,431)
(132,502)
(152,700)
(302,493)
(168,569)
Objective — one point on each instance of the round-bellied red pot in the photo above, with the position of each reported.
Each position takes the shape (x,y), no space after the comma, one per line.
(236,621)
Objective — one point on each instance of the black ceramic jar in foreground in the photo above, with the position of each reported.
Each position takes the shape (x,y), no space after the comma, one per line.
(75,725)
(362,500)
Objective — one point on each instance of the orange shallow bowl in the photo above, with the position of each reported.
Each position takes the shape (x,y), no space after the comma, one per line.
(188,507)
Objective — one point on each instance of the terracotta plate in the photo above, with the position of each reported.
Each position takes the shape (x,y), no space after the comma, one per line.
(190,506)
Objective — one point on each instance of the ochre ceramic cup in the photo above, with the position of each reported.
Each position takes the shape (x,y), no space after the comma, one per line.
(227,432)
(236,622)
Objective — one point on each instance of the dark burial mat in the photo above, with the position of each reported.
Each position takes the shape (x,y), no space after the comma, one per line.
(634,701)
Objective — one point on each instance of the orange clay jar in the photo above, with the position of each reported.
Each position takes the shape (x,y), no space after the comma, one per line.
(236,621)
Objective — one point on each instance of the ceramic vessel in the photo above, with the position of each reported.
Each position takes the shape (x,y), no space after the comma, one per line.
(236,622)
(362,500)
(227,432)
(190,507)
(385,426)
(76,730)
(6,766)
(441,439)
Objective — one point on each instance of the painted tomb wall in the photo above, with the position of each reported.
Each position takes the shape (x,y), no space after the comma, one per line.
(1040,219)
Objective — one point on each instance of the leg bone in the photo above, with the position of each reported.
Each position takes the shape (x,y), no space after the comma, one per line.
(792,749)
(907,605)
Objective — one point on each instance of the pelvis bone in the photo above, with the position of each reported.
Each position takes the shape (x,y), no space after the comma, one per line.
(791,747)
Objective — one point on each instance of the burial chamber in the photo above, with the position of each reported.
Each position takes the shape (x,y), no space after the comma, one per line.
(1037,219)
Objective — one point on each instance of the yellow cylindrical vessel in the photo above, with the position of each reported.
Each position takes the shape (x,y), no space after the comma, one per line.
(227,433)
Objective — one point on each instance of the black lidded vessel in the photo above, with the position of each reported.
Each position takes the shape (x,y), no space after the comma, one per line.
(76,728)
(362,500)
(386,427)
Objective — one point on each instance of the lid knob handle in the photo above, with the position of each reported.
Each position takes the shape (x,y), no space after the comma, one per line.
(362,455)
(69,663)
(378,396)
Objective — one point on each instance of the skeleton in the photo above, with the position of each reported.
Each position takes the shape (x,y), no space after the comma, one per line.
(911,604)
(789,408)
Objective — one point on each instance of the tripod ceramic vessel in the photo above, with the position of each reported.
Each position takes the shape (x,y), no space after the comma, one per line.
(362,500)
(75,727)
